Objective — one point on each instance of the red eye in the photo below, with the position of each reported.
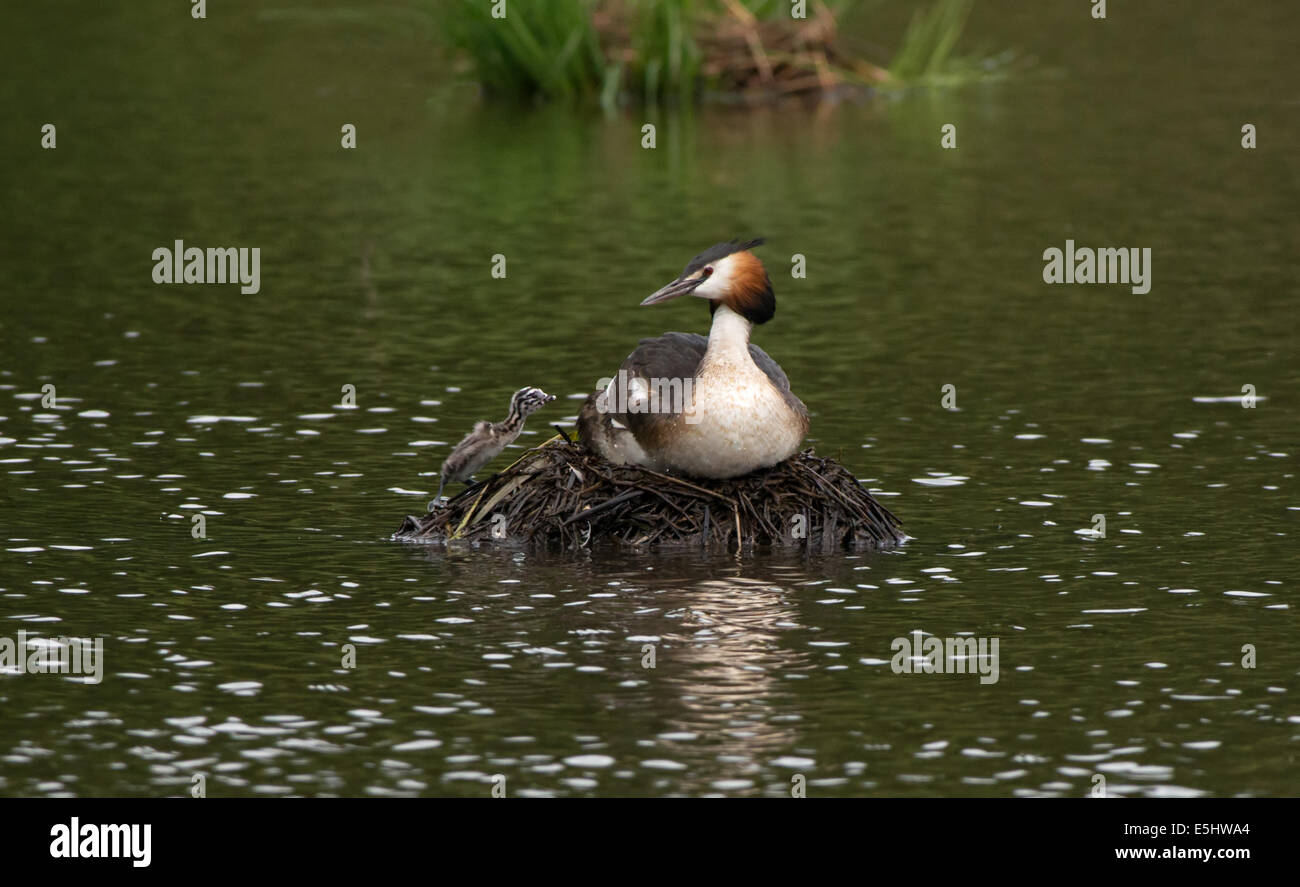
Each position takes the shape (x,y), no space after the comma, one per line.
(707,271)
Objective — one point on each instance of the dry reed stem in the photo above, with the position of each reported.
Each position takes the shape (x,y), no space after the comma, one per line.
(562,495)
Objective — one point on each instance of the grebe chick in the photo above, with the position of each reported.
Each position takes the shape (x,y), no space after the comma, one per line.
(712,408)
(488,439)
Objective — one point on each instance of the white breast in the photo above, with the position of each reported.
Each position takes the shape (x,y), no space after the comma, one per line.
(740,423)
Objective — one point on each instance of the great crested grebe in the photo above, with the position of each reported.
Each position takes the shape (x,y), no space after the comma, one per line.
(488,439)
(714,408)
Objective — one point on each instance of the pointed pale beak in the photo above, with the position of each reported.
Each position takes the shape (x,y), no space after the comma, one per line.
(679,287)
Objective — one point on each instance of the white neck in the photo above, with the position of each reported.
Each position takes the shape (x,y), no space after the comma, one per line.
(729,336)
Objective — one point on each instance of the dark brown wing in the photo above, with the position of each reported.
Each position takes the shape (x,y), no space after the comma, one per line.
(678,355)
(781,381)
(675,356)
(670,356)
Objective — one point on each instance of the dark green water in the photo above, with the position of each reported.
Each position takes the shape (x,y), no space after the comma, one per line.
(1120,656)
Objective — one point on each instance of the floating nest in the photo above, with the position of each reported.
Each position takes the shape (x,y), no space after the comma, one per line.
(756,59)
(561,495)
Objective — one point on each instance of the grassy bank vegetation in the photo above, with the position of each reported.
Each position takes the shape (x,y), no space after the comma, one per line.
(652,51)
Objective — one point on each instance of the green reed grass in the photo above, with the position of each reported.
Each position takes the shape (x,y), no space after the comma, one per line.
(550,49)
(926,54)
(545,48)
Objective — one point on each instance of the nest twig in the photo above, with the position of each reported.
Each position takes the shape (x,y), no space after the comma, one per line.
(755,59)
(780,56)
(561,495)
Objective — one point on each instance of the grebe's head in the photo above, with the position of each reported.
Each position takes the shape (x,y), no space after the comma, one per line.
(726,274)
(527,401)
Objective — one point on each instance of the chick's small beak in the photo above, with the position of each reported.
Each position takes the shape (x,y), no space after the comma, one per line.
(679,287)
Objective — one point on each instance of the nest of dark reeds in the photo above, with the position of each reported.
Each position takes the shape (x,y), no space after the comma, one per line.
(561,495)
(755,58)
(780,56)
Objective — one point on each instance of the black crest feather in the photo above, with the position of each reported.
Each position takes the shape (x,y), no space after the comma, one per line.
(719,251)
